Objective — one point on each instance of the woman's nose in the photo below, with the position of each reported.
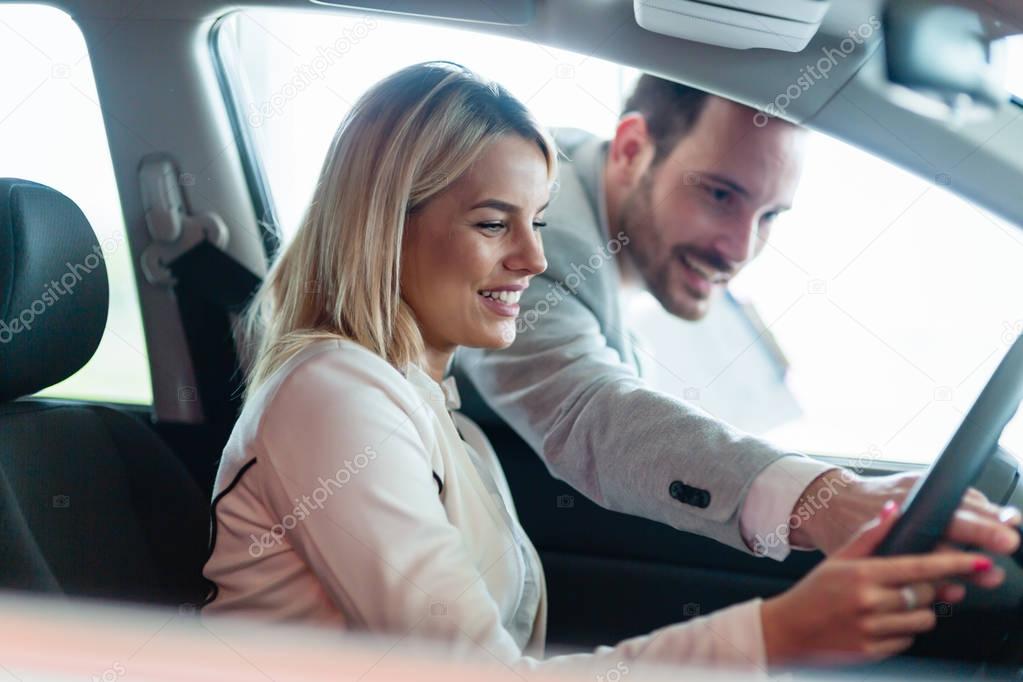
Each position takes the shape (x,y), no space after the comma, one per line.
(528,255)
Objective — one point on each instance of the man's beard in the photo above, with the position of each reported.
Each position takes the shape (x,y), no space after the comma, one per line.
(651,256)
(636,220)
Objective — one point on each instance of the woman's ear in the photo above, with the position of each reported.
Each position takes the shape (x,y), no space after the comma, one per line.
(631,151)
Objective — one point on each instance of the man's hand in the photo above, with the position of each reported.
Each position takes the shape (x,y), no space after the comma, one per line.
(838,503)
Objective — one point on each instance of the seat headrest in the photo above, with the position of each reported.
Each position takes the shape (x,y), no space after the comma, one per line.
(53,288)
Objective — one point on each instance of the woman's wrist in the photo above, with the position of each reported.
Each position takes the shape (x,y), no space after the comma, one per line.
(779,645)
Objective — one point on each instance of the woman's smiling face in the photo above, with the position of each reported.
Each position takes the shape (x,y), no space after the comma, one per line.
(470,251)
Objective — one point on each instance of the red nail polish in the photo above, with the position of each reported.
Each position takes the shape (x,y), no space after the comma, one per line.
(982,565)
(888,509)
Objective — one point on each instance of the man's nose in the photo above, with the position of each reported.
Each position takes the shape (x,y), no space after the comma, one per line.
(737,241)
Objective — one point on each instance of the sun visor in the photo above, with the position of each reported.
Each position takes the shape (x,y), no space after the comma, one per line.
(505,12)
(786,25)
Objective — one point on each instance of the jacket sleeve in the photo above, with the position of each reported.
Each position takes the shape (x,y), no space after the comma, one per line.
(599,427)
(383,549)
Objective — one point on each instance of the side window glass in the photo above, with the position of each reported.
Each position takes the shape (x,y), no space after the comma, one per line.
(51,132)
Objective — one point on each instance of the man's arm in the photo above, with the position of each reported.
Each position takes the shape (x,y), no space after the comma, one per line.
(601,429)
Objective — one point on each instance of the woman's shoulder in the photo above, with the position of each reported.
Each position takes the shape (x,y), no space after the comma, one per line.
(333,397)
(331,379)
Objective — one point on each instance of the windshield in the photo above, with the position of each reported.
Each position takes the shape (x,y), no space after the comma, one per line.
(1014,75)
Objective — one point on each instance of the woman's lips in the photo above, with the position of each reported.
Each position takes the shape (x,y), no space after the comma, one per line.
(500,308)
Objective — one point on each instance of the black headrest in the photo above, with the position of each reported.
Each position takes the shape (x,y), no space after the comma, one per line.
(53,288)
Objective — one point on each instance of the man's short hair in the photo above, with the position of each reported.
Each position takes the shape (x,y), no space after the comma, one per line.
(670,109)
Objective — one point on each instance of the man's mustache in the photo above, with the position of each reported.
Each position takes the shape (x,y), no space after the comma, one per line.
(713,259)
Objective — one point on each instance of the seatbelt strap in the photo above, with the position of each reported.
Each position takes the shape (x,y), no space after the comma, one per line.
(210,287)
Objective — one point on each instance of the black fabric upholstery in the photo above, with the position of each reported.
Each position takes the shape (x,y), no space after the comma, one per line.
(21,562)
(95,505)
(53,288)
(92,502)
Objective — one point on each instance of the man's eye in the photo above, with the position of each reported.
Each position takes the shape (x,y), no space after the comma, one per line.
(718,194)
(539,224)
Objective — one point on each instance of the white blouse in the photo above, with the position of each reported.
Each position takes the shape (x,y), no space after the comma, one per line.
(349,495)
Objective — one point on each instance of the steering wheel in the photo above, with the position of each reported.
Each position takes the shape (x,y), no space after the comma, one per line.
(929,506)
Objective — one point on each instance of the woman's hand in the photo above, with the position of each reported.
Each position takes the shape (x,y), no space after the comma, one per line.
(854,607)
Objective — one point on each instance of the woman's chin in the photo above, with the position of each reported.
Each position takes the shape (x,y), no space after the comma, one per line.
(493,337)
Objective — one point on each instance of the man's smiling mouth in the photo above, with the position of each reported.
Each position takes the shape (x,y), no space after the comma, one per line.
(705,271)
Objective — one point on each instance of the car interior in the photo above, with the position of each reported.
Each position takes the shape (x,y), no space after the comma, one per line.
(105,493)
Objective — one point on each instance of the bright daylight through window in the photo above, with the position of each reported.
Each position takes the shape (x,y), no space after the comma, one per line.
(51,132)
(882,303)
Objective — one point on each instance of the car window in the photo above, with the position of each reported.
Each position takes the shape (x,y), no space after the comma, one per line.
(1014,60)
(865,330)
(294,82)
(51,131)
(891,301)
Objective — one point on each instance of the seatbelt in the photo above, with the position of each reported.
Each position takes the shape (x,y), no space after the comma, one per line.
(187,254)
(210,288)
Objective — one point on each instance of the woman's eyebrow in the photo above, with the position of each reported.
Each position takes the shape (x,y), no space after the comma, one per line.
(496,204)
(504,206)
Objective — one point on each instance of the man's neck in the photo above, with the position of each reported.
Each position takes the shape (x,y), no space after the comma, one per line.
(632,284)
(631,279)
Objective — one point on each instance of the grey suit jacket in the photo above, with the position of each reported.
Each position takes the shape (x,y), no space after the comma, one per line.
(570,386)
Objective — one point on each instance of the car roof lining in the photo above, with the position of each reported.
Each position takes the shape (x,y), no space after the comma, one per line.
(838,105)
(600,28)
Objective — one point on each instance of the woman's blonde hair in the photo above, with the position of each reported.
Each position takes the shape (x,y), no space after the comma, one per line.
(407,139)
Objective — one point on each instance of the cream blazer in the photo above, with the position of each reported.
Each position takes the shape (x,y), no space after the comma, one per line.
(350,496)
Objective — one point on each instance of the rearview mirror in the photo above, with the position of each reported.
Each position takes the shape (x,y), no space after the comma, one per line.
(945,58)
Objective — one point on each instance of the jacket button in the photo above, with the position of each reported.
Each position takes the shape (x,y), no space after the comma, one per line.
(687,494)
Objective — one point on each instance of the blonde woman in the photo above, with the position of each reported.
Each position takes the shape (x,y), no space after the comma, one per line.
(351,495)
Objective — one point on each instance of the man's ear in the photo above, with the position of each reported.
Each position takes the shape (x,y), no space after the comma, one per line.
(631,151)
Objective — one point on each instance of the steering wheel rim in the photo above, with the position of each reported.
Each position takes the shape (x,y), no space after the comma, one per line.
(929,506)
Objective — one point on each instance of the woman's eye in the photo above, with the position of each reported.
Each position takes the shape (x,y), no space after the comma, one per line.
(538,224)
(495,226)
